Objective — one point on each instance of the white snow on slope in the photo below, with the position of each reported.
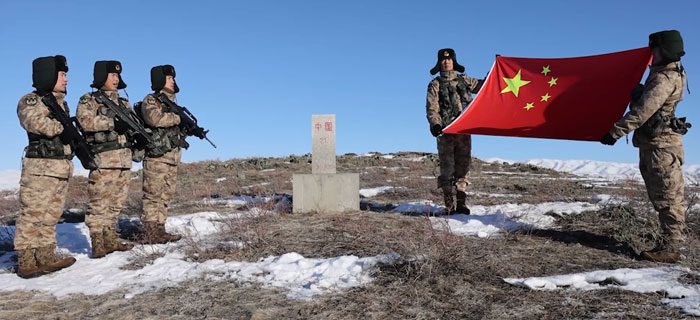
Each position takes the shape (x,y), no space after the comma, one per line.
(664,280)
(486,221)
(373,192)
(9,179)
(304,278)
(602,169)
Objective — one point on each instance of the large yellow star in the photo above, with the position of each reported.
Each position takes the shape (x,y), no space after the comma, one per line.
(514,84)
(545,70)
(529,106)
(546,97)
(553,82)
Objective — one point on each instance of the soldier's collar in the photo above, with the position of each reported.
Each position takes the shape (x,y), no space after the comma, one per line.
(170,95)
(113,94)
(675,65)
(449,74)
(59,95)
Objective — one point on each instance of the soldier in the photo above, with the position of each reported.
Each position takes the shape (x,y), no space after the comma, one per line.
(162,156)
(46,168)
(659,136)
(108,185)
(448,95)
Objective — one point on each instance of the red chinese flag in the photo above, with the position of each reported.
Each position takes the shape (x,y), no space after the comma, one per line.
(566,98)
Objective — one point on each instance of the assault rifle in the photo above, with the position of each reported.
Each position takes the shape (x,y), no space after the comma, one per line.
(134,127)
(70,135)
(188,122)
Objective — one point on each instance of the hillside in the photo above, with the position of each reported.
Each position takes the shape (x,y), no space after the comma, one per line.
(246,256)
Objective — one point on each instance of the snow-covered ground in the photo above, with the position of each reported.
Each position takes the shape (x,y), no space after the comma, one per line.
(601,169)
(304,278)
(487,221)
(663,280)
(373,192)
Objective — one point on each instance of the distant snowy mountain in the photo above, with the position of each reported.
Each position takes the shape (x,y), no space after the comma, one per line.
(601,169)
(9,179)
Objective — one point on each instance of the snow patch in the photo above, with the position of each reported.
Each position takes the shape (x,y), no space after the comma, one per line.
(487,221)
(659,280)
(609,170)
(304,278)
(372,192)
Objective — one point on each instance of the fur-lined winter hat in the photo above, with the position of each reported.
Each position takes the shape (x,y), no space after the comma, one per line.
(45,72)
(158,74)
(102,68)
(670,42)
(443,54)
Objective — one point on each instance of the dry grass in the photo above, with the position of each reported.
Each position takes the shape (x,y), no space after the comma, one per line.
(439,276)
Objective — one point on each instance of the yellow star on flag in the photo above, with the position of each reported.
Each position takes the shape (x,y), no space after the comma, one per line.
(545,70)
(553,82)
(514,84)
(546,97)
(529,106)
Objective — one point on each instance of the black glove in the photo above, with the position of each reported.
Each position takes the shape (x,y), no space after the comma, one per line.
(120,126)
(608,139)
(436,130)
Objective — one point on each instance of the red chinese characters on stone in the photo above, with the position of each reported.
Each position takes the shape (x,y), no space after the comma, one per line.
(329,126)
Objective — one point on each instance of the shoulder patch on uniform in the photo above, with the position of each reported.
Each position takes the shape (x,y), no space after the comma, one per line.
(31,100)
(150,100)
(85,98)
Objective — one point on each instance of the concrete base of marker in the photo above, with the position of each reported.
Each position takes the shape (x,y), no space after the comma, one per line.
(338,192)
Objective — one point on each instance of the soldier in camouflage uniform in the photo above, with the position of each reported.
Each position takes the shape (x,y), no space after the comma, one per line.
(448,95)
(659,136)
(46,168)
(109,184)
(162,156)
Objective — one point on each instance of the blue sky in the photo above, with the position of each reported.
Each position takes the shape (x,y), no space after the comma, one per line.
(255,71)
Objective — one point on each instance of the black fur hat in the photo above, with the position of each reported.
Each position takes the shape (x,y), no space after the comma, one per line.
(670,42)
(45,72)
(443,54)
(158,74)
(102,68)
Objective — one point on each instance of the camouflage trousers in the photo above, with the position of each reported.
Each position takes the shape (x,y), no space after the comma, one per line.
(159,183)
(455,154)
(41,199)
(663,177)
(108,191)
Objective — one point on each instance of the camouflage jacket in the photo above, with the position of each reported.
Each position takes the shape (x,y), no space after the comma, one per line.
(663,90)
(432,105)
(34,117)
(154,116)
(93,117)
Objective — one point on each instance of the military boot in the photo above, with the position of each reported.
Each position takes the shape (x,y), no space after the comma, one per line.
(112,242)
(27,267)
(47,260)
(666,251)
(155,233)
(462,203)
(98,246)
(449,203)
